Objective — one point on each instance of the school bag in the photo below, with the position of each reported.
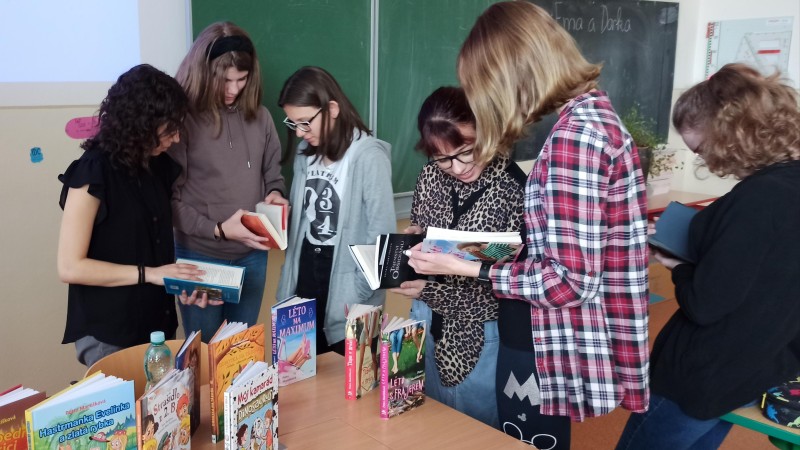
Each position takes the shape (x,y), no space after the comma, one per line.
(781,404)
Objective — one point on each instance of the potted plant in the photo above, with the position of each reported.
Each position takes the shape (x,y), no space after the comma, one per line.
(651,145)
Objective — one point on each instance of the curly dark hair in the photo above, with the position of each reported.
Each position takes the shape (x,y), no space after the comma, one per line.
(142,100)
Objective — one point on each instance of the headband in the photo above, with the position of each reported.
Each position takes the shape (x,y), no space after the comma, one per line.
(227,44)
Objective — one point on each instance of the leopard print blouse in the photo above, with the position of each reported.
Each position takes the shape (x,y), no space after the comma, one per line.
(441,200)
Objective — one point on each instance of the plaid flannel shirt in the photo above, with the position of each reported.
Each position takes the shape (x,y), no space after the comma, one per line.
(585,274)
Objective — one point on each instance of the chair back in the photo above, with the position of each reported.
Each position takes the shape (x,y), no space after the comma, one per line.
(128,364)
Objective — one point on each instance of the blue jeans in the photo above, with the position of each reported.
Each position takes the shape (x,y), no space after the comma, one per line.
(209,319)
(475,396)
(665,426)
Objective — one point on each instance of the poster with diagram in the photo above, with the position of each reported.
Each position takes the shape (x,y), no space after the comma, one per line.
(761,43)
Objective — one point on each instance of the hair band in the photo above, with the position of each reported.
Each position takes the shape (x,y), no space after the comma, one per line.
(227,44)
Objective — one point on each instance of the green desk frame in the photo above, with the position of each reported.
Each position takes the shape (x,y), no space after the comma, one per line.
(782,437)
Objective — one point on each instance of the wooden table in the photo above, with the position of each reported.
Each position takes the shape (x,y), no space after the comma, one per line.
(657,203)
(751,417)
(313,414)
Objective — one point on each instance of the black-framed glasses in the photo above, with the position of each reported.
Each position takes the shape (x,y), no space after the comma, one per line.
(464,157)
(304,126)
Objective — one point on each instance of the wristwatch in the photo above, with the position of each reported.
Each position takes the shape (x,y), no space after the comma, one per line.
(483,273)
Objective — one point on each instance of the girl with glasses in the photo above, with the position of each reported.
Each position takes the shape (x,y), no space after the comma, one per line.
(457,192)
(231,161)
(342,192)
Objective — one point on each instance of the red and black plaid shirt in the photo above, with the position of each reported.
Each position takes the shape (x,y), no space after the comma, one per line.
(585,274)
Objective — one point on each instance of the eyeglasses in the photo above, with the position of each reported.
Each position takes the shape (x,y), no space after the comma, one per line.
(304,126)
(465,157)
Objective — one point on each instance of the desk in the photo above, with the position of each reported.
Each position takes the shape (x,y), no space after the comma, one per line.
(751,417)
(313,414)
(657,203)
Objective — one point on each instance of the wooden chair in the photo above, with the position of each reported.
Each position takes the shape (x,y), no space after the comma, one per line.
(128,364)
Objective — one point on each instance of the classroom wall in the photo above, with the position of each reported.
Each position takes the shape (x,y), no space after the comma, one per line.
(34,300)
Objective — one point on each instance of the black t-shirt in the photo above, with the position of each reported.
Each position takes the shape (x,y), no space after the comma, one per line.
(133,226)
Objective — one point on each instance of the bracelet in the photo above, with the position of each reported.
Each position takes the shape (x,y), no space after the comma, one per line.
(141,273)
(483,273)
(221,233)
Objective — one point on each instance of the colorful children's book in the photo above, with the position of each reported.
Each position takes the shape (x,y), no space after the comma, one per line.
(220,281)
(188,357)
(402,377)
(385,264)
(162,413)
(13,403)
(229,350)
(294,339)
(362,329)
(251,408)
(470,245)
(96,412)
(269,221)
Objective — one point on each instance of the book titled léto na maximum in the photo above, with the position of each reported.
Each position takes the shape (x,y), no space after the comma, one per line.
(490,246)
(384,264)
(251,408)
(402,375)
(294,339)
(220,281)
(269,221)
(97,411)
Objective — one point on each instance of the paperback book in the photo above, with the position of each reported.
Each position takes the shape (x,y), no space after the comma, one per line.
(294,339)
(672,231)
(13,403)
(231,348)
(251,408)
(188,357)
(162,413)
(269,221)
(96,412)
(362,330)
(402,377)
(384,264)
(472,245)
(220,281)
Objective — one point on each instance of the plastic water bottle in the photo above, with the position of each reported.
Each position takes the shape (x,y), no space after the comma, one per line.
(157,359)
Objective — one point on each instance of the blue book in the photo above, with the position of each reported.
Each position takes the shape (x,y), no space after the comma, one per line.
(294,339)
(672,231)
(220,281)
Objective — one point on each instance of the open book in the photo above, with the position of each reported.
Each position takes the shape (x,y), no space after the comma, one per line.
(472,245)
(672,231)
(384,264)
(220,281)
(268,221)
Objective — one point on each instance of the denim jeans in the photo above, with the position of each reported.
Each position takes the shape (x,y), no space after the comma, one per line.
(665,427)
(475,396)
(209,319)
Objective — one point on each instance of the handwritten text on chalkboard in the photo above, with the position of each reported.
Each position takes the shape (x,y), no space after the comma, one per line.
(606,22)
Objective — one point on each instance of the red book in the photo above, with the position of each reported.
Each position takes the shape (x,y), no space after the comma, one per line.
(13,403)
(269,221)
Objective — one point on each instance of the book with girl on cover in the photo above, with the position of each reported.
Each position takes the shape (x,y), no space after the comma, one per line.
(231,348)
(294,339)
(162,413)
(362,330)
(402,375)
(13,403)
(472,245)
(188,357)
(251,408)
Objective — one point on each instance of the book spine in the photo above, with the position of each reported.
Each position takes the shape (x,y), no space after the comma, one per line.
(384,379)
(274,336)
(139,417)
(226,398)
(350,369)
(29,428)
(212,388)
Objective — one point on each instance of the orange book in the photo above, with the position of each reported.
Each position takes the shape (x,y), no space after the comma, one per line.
(269,221)
(13,404)
(229,350)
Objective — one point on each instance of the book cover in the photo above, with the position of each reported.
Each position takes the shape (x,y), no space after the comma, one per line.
(229,350)
(162,413)
(268,221)
(188,357)
(672,231)
(472,245)
(251,409)
(97,412)
(362,331)
(294,339)
(220,281)
(402,376)
(385,264)
(13,403)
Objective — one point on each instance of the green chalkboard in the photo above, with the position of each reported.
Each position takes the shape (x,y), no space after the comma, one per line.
(334,35)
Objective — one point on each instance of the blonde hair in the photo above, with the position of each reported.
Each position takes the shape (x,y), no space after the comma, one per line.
(517,65)
(747,121)
(203,77)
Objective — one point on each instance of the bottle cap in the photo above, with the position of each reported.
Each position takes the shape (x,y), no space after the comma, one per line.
(157,337)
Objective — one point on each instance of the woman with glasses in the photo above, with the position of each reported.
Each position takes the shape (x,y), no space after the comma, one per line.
(342,192)
(231,161)
(457,192)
